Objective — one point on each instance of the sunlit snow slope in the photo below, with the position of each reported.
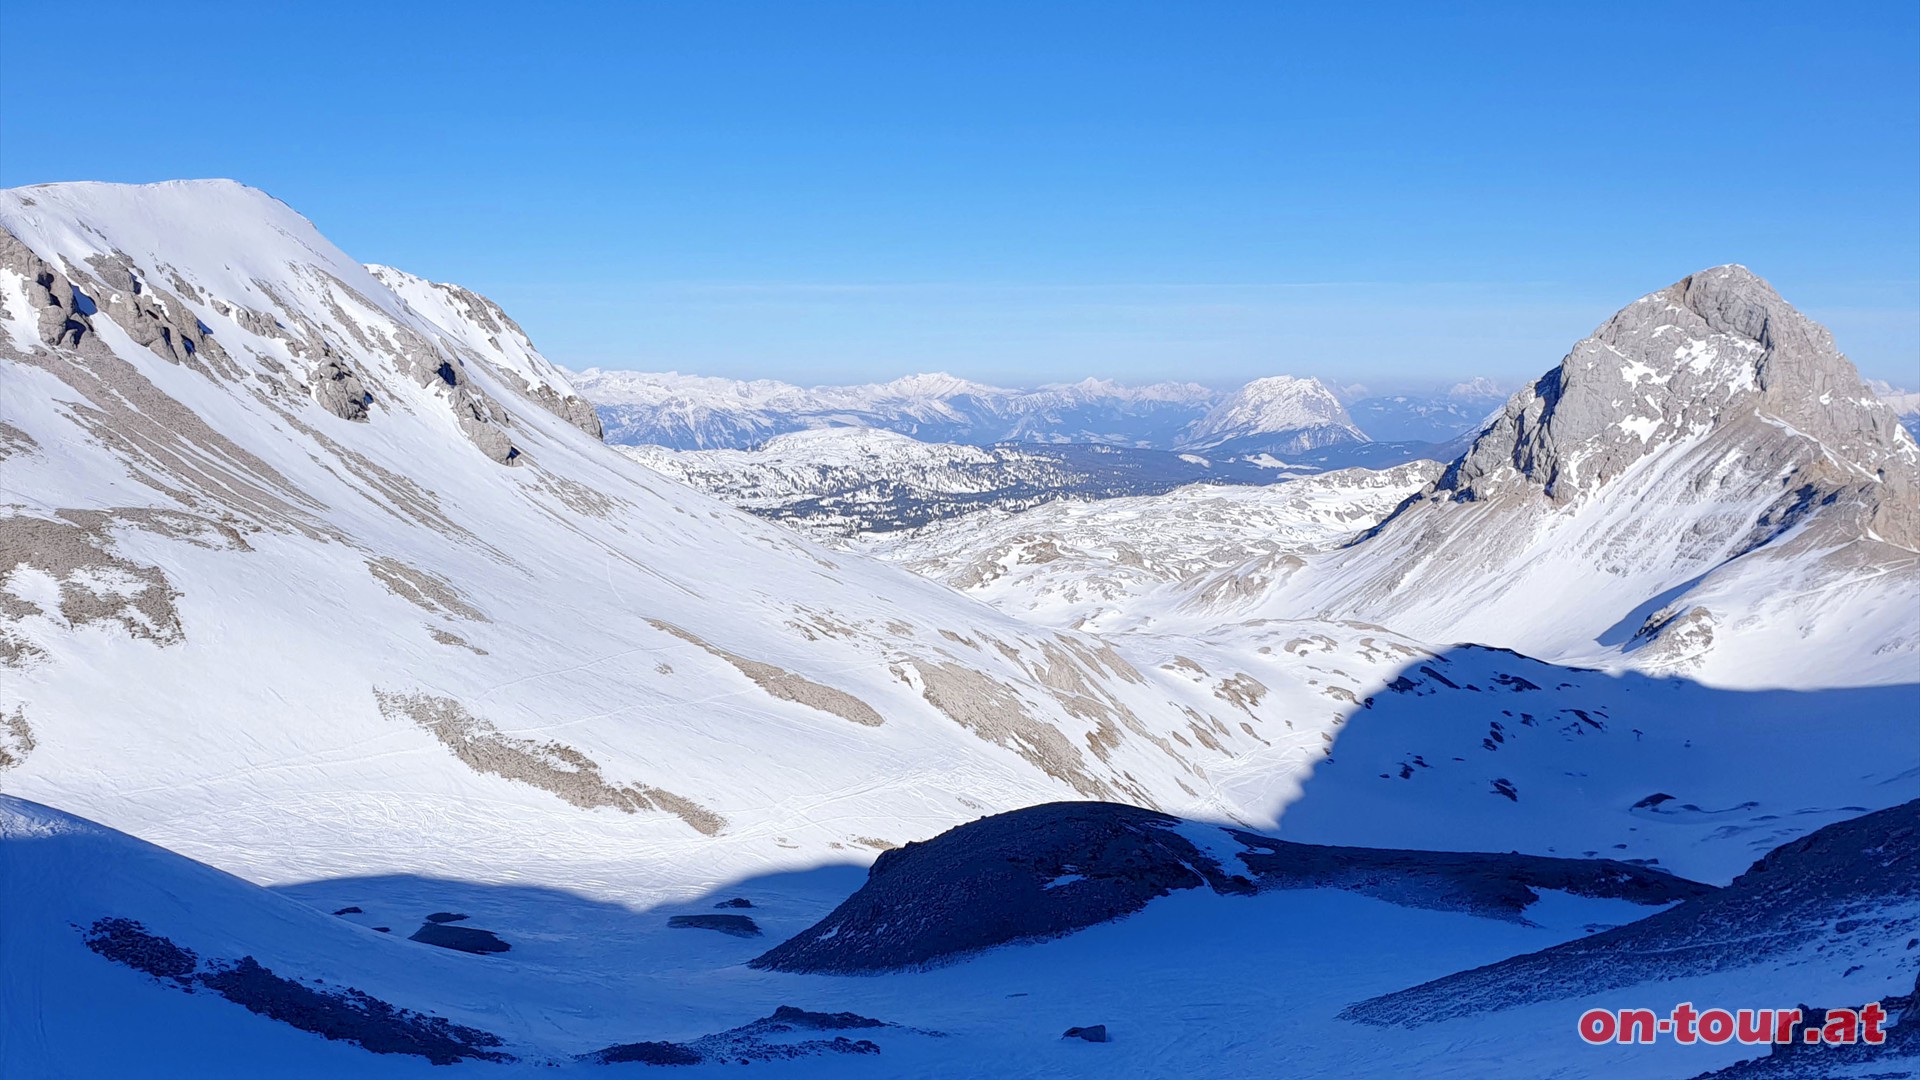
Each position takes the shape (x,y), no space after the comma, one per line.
(316,567)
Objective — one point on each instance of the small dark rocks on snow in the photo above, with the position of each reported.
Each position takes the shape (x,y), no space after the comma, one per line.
(128,942)
(441,917)
(737,925)
(348,911)
(461,938)
(1093,1033)
(736,902)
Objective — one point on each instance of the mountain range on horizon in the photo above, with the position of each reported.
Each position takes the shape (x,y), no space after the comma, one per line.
(1280,415)
(707,412)
(328,611)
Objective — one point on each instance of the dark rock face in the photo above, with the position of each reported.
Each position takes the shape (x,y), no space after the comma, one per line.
(445,917)
(1049,870)
(754,1041)
(647,1053)
(737,925)
(350,1016)
(822,1021)
(1867,868)
(1897,1057)
(1027,875)
(1095,1033)
(1484,883)
(339,1013)
(125,941)
(462,938)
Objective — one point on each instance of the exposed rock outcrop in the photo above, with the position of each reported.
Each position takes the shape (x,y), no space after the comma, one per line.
(1046,871)
(1716,350)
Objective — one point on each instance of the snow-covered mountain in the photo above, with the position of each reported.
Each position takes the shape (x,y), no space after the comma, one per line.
(1432,418)
(844,481)
(375,599)
(463,735)
(1278,415)
(693,412)
(1704,485)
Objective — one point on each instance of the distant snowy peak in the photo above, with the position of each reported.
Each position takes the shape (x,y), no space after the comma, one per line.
(1279,414)
(1091,389)
(1476,388)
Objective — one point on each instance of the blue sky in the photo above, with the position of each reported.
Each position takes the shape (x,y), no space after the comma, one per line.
(1389,193)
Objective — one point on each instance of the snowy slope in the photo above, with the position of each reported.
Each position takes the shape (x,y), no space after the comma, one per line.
(304,583)
(317,574)
(1287,980)
(465,318)
(1115,564)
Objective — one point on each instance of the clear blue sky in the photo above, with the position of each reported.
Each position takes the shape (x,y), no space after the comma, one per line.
(1389,193)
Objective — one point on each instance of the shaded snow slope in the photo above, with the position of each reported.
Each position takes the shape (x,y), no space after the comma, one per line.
(1190,983)
(1843,900)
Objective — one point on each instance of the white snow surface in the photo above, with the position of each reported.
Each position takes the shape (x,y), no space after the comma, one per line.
(570,606)
(1128,564)
(457,654)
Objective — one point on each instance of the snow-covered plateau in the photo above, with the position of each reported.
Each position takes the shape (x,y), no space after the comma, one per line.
(364,713)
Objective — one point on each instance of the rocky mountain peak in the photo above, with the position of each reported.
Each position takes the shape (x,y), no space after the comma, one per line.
(1712,355)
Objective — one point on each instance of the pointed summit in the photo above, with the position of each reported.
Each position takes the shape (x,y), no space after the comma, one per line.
(1650,493)
(1715,349)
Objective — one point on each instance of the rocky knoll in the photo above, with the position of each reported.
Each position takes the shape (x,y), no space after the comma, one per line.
(1046,871)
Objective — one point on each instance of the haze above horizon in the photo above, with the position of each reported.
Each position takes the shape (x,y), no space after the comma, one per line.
(1018,194)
